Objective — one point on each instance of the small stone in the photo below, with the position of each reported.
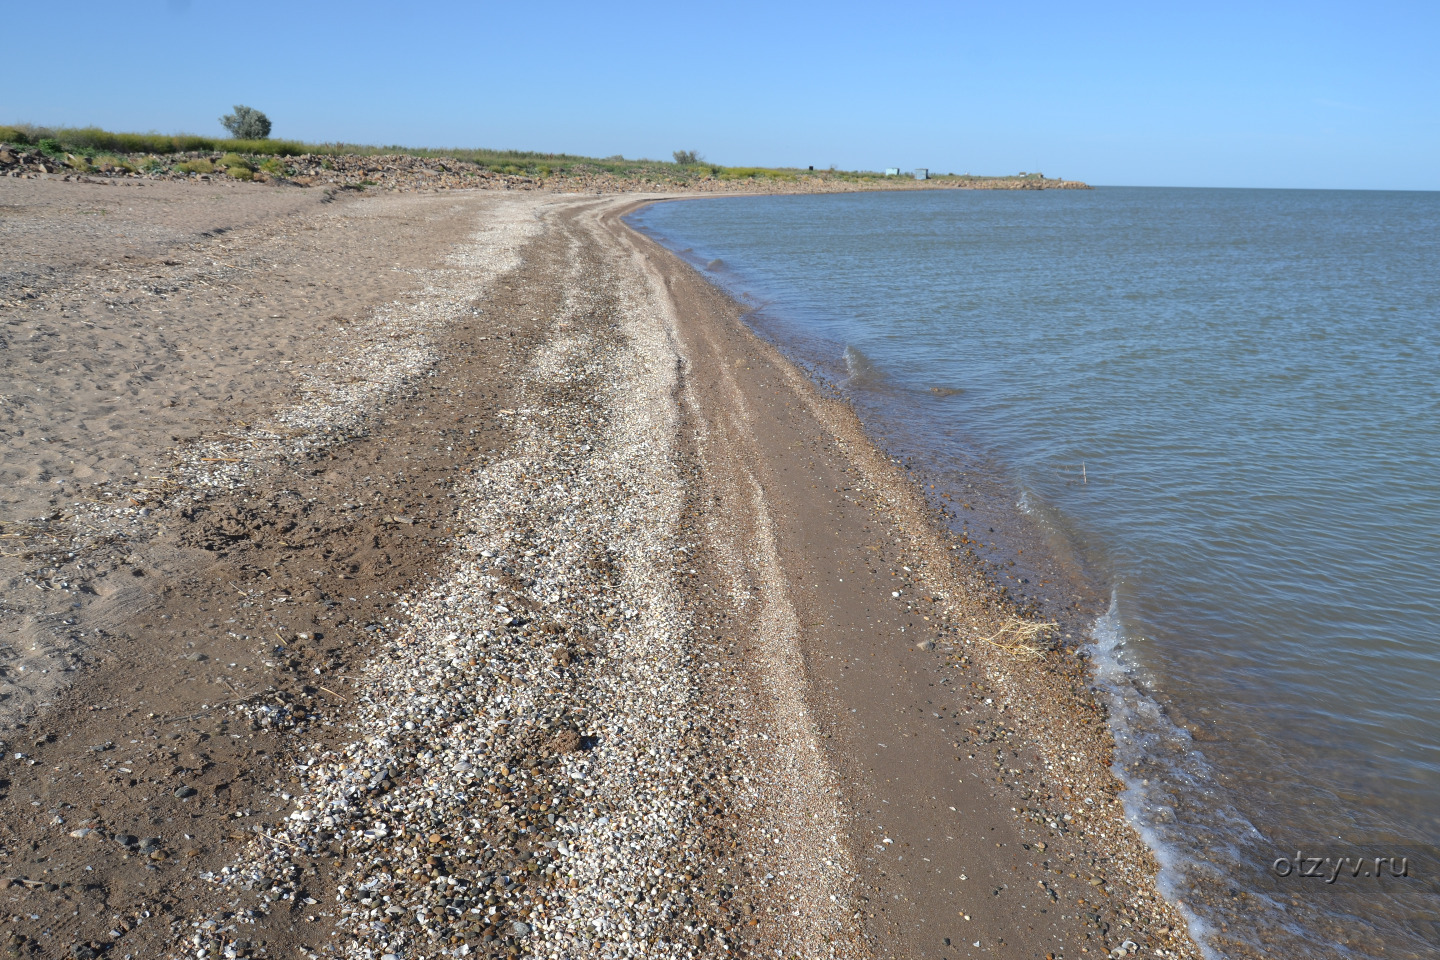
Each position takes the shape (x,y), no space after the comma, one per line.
(81,833)
(126,839)
(520,928)
(925,645)
(185,793)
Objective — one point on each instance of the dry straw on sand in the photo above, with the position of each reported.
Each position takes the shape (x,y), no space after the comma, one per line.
(1023,638)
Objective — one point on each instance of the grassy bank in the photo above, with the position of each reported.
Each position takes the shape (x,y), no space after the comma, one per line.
(94,146)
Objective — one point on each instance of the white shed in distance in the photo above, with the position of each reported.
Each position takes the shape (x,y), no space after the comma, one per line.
(892,171)
(922,173)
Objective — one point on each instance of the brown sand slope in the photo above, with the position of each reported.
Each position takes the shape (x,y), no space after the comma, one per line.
(489,590)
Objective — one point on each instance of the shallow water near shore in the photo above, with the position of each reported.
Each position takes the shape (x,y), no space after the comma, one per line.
(1221,410)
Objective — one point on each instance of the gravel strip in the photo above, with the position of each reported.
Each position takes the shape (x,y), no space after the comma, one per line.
(529,767)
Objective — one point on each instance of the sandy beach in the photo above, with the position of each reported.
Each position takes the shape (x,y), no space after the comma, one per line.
(455,574)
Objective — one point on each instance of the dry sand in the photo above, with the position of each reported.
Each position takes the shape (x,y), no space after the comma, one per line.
(456,575)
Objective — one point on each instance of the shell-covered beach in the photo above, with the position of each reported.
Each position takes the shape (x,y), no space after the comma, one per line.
(454,573)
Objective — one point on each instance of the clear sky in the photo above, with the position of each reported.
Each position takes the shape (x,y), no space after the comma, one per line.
(1217,94)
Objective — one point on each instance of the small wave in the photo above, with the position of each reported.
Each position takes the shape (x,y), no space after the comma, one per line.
(859,368)
(946,391)
(716,265)
(1153,757)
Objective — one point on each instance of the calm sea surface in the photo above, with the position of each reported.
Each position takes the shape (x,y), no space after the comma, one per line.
(1220,410)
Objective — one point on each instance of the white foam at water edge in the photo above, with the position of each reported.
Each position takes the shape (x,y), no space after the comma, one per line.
(860,368)
(1139,726)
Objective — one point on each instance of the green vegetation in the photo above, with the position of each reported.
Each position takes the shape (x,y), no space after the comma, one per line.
(234,160)
(87,141)
(148,150)
(756,173)
(246,123)
(92,141)
(237,166)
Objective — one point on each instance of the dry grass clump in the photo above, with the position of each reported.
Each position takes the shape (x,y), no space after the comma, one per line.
(1025,639)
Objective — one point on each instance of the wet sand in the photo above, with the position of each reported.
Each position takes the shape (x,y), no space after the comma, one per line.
(458,575)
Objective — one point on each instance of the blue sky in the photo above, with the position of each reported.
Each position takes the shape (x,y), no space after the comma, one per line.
(1313,95)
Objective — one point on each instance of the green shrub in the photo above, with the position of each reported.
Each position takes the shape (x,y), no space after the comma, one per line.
(196,166)
(246,123)
(273,166)
(233,161)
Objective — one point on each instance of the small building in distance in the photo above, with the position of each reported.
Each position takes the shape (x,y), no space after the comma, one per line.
(892,171)
(922,173)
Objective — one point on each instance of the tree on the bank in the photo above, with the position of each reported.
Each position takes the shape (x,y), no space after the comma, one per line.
(246,123)
(687,157)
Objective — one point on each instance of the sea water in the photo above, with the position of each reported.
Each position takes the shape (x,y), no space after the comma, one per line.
(1220,410)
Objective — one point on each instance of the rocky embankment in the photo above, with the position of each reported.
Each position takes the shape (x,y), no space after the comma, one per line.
(408,173)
